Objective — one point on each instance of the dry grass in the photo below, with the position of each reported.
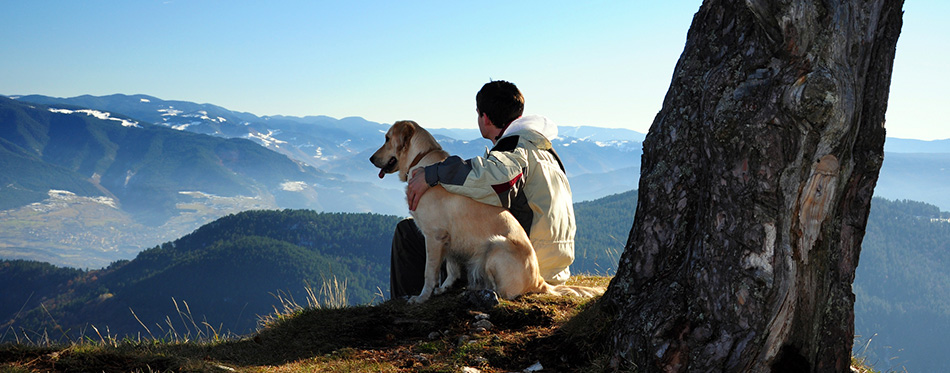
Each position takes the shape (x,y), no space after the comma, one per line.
(394,336)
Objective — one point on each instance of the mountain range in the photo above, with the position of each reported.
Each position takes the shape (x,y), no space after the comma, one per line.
(83,185)
(88,180)
(342,146)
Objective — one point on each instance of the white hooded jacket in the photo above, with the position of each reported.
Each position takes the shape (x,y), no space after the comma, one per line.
(523,174)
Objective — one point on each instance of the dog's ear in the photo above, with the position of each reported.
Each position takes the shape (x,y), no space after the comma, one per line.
(408,130)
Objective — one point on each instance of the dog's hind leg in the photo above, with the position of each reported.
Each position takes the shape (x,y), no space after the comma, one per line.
(477,279)
(505,273)
(452,271)
(509,273)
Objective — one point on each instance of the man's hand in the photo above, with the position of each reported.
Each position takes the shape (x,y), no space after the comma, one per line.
(416,188)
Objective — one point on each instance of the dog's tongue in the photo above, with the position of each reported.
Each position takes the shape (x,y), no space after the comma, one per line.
(381,173)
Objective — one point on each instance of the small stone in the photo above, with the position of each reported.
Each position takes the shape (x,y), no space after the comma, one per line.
(420,359)
(484,299)
(536,367)
(434,335)
(479,315)
(487,325)
(463,339)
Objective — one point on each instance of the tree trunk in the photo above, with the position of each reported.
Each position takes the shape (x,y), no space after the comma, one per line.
(756,183)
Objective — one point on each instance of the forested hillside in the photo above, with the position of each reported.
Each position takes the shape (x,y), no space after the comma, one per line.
(24,283)
(902,287)
(602,229)
(229,272)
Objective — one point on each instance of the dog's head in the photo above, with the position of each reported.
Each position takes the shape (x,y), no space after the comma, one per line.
(394,154)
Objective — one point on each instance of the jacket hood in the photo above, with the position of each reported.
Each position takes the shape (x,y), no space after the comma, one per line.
(537,123)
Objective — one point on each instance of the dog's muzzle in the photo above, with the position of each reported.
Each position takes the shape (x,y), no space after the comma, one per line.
(388,168)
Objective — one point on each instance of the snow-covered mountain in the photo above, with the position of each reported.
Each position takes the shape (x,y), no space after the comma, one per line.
(180,187)
(84,187)
(917,171)
(343,146)
(315,140)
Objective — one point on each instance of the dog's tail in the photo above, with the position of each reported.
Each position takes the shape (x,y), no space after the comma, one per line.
(578,291)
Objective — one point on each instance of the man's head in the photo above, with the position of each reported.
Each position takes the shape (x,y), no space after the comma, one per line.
(501,101)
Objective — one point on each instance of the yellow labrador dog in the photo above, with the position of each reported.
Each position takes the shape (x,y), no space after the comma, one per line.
(486,239)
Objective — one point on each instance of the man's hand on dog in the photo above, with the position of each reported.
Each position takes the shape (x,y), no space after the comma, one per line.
(416,188)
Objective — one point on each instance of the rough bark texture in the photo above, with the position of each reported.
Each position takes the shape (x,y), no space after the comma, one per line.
(756,183)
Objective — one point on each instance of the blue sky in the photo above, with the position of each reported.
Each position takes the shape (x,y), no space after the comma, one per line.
(599,63)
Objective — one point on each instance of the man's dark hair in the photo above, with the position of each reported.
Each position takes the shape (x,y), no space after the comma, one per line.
(501,100)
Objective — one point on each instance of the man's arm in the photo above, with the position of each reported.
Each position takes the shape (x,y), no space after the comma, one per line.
(479,178)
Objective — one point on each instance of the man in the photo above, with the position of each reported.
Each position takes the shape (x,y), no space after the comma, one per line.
(521,173)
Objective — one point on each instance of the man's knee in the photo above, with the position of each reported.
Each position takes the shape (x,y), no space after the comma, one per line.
(408,238)
(406,228)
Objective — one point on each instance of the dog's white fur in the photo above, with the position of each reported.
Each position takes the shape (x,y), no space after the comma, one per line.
(487,239)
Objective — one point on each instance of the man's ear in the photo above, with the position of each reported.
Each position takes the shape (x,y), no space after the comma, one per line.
(487,120)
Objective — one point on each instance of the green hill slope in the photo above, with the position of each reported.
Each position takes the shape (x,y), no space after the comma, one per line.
(27,283)
(229,273)
(602,229)
(902,287)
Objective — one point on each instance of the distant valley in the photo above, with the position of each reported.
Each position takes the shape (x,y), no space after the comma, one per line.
(90,180)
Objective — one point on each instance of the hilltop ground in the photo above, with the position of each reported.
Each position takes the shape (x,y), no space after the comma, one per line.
(532,333)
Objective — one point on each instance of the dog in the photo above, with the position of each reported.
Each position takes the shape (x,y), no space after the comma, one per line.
(486,239)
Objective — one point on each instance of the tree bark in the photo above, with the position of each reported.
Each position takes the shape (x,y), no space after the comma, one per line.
(756,183)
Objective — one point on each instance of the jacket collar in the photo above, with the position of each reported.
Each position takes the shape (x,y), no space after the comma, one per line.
(542,125)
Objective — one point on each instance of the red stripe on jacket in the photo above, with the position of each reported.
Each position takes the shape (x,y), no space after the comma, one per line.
(505,187)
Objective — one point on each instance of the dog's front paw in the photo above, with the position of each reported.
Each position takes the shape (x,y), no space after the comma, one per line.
(418,299)
(440,290)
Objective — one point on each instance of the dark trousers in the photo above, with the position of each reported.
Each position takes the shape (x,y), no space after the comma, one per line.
(407,261)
